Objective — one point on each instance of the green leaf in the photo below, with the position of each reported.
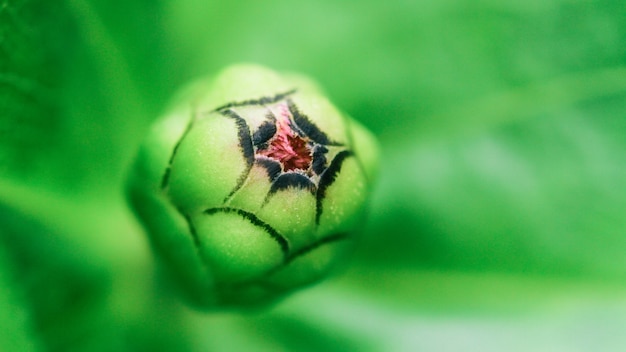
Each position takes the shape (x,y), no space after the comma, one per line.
(15,319)
(541,195)
(30,123)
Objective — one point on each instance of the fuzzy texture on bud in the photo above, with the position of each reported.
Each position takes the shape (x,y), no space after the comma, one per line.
(251,186)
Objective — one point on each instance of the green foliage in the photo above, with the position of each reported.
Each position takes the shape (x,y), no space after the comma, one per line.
(502,187)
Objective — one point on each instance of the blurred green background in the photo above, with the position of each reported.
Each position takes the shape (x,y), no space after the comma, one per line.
(498,222)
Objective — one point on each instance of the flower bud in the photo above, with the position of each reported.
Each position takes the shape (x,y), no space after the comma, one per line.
(251,186)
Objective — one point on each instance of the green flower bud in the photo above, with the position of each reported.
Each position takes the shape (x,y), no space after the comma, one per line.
(251,186)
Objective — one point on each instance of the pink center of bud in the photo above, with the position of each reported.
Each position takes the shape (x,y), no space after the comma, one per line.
(287,147)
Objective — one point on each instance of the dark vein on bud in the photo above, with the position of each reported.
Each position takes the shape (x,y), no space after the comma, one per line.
(260,101)
(246,145)
(290,180)
(294,180)
(327,179)
(307,127)
(192,230)
(271,166)
(166,175)
(315,245)
(266,130)
(293,256)
(319,159)
(280,239)
(196,241)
